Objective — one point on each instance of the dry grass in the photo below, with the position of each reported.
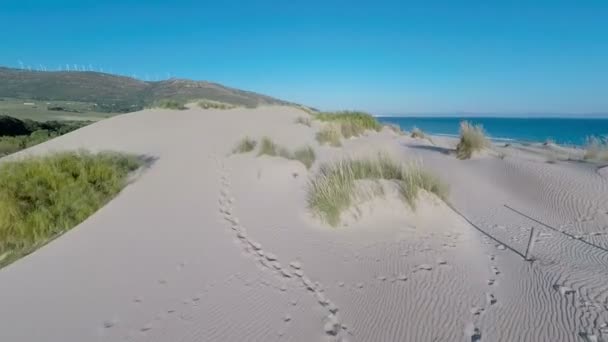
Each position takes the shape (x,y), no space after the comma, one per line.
(43,197)
(334,189)
(596,149)
(330,134)
(395,129)
(305,155)
(303,121)
(472,139)
(209,104)
(245,145)
(417,133)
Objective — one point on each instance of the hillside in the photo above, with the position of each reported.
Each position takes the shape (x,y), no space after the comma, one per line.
(116,94)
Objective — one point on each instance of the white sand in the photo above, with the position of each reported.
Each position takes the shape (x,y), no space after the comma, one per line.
(207,246)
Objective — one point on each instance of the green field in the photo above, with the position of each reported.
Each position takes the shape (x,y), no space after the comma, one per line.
(51,110)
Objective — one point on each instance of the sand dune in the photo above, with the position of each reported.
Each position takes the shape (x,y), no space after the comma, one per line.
(210,246)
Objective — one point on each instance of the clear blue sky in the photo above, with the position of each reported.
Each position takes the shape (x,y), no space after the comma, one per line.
(382,56)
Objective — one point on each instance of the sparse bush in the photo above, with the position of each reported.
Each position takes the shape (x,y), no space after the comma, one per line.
(330,134)
(169,104)
(209,104)
(596,148)
(245,145)
(303,121)
(472,139)
(305,155)
(43,197)
(417,133)
(334,188)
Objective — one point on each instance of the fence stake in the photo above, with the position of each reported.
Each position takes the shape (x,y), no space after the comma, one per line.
(530,244)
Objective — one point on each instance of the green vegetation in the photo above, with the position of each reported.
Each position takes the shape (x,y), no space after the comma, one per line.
(334,189)
(268,147)
(116,94)
(330,134)
(417,133)
(209,104)
(305,155)
(352,124)
(472,139)
(169,104)
(303,121)
(41,110)
(395,129)
(43,197)
(245,145)
(16,135)
(596,149)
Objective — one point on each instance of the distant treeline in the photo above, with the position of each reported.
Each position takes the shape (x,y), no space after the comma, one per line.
(16,134)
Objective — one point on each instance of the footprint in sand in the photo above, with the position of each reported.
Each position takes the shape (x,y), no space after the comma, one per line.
(472,332)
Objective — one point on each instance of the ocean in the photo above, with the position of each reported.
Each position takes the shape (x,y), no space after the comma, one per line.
(565,131)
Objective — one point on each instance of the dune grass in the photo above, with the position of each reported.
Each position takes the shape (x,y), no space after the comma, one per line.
(596,148)
(305,155)
(43,197)
(245,145)
(209,104)
(472,139)
(334,188)
(395,129)
(303,121)
(330,135)
(417,133)
(351,123)
(169,104)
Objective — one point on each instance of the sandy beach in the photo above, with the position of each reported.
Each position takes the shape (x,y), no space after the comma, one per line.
(207,245)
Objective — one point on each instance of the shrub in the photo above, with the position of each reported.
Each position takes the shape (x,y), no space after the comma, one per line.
(417,133)
(245,145)
(472,139)
(209,104)
(334,189)
(303,121)
(43,197)
(596,148)
(169,104)
(330,134)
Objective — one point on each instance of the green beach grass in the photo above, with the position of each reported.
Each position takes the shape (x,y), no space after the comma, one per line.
(472,139)
(43,197)
(305,155)
(334,189)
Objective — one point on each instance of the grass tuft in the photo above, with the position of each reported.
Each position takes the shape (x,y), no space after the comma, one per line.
(245,145)
(330,134)
(169,104)
(305,155)
(472,139)
(596,148)
(417,133)
(43,197)
(303,121)
(209,104)
(268,147)
(334,189)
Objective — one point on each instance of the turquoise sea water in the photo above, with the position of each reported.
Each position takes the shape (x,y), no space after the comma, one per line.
(567,131)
